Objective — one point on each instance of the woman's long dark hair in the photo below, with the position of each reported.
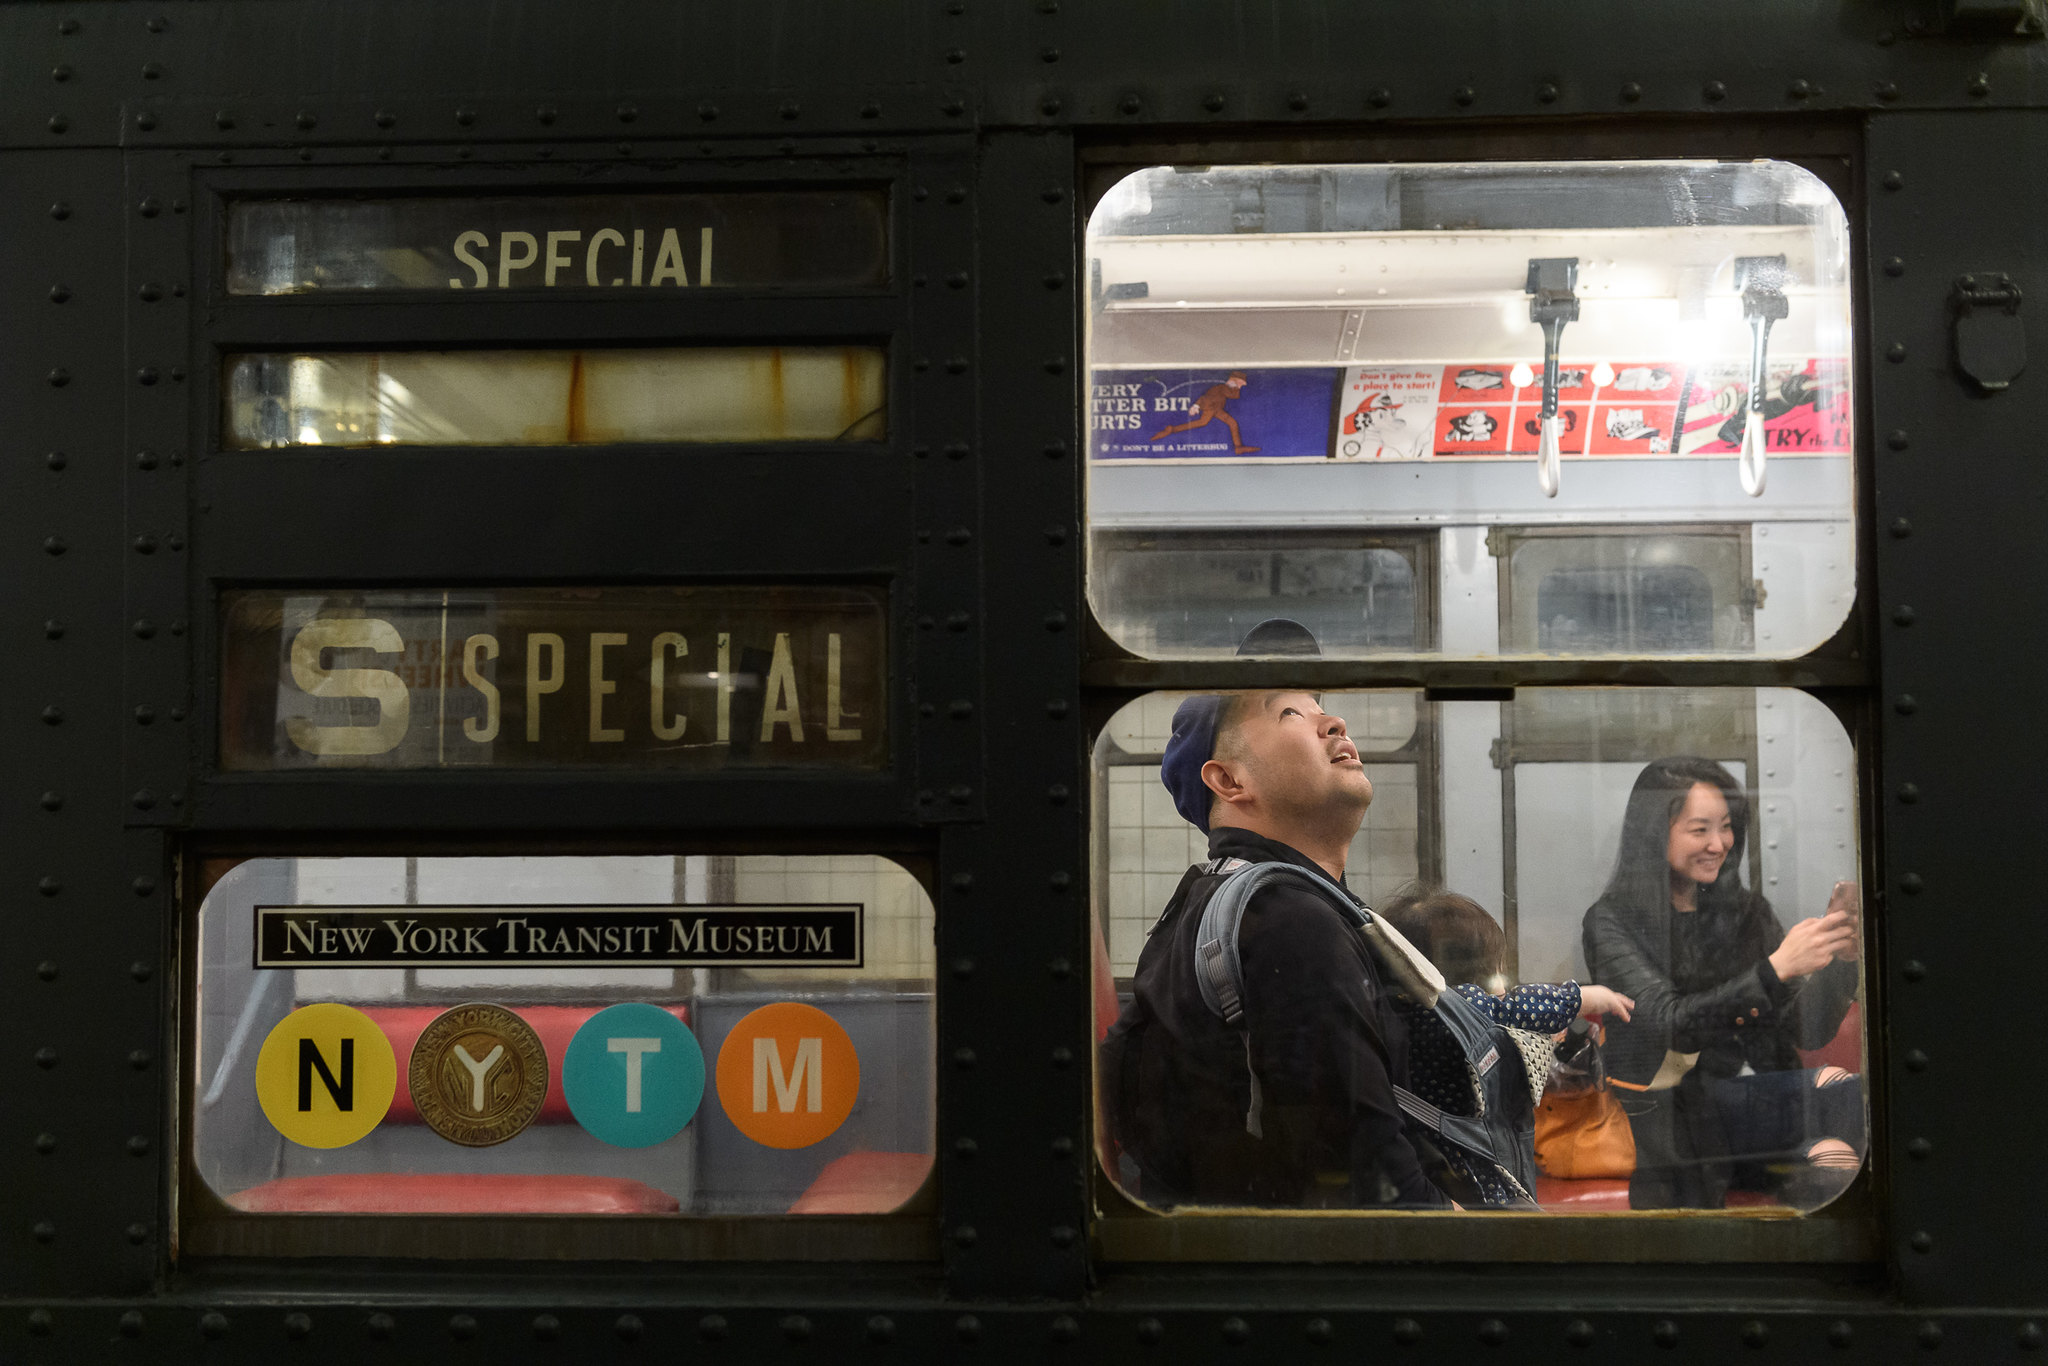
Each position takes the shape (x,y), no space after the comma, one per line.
(1734,921)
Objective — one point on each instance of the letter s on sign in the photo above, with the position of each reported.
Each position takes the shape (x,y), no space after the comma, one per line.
(462,246)
(394,702)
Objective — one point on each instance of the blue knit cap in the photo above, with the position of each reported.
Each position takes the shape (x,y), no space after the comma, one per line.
(1193,744)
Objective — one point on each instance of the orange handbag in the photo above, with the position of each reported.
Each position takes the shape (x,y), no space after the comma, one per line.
(1584,1135)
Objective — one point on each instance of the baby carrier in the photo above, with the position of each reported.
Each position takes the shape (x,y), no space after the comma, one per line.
(1501,1132)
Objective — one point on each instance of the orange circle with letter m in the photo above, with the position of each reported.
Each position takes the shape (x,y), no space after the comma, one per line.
(788,1075)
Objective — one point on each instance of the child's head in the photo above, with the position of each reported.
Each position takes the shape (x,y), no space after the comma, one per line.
(1451,931)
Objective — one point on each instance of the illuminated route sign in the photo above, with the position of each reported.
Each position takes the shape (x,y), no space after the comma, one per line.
(804,239)
(634,677)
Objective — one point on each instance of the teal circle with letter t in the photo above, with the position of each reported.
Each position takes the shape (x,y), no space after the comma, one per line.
(633,1075)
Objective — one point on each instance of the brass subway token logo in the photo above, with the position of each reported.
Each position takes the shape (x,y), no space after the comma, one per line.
(478,1075)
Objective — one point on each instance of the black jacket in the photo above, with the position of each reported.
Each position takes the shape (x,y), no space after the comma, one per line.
(1324,1039)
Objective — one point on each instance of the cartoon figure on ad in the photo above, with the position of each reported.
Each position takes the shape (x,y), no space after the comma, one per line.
(1380,431)
(1475,427)
(1209,408)
(1629,424)
(1805,409)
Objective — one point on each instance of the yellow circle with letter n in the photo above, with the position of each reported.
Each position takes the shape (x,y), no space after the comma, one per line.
(326,1076)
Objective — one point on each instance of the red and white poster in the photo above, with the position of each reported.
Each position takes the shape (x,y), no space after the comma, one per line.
(1386,412)
(1806,408)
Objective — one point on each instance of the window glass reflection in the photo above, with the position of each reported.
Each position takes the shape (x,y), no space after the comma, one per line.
(545,398)
(1646,901)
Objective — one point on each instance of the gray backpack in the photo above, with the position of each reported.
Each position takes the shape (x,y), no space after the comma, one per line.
(1502,1132)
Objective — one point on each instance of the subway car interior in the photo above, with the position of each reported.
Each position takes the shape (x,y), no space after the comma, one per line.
(1021,680)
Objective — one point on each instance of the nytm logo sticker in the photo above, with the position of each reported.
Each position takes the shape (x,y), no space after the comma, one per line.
(788,1075)
(326,1076)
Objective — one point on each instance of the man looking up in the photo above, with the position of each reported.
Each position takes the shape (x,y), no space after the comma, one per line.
(1269,777)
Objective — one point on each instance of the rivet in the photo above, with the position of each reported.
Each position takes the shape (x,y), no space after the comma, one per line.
(1236,1331)
(963,967)
(1057,794)
(462,1327)
(140,970)
(130,1324)
(1546,93)
(1664,1333)
(143,799)
(1919,1149)
(1493,1332)
(46,1144)
(965,1147)
(1049,54)
(143,886)
(1151,1331)
(60,73)
(1898,440)
(1579,1333)
(881,1328)
(964,1236)
(957,280)
(1922,1241)
(47,970)
(963,882)
(967,1327)
(1319,1332)
(1056,534)
(1631,92)
(1464,95)
(58,378)
(795,1327)
(1755,1333)
(1912,884)
(175,541)
(146,374)
(60,211)
(150,293)
(2029,1336)
(963,1058)
(711,1328)
(53,801)
(1063,1146)
(1895,353)
(381,1327)
(152,71)
(1055,621)
(1895,266)
(145,544)
(1297,101)
(1980,85)
(53,545)
(1054,450)
(1904,616)
(1800,89)
(1056,708)
(140,1059)
(1909,793)
(871,111)
(138,1145)
(1407,1332)
(1841,1333)
(958,621)
(49,886)
(1916,1060)
(956,365)
(1048,106)
(955,56)
(60,294)
(1063,1057)
(298,1327)
(1213,102)
(1887,90)
(925,796)
(956,194)
(58,124)
(213,1324)
(1714,90)
(177,627)
(53,629)
(1055,365)
(145,714)
(223,120)
(1893,180)
(45,1232)
(53,716)
(959,535)
(1061,968)
(1065,1328)
(1060,881)
(1906,704)
(708,112)
(306,119)
(67,27)
(1914,970)
(628,1327)
(143,628)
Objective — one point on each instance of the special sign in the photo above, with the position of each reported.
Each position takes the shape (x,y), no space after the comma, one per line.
(783,936)
(669,678)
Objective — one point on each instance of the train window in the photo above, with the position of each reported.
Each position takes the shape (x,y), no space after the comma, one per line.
(1451,352)
(694,1035)
(553,398)
(622,677)
(814,239)
(1195,594)
(1686,858)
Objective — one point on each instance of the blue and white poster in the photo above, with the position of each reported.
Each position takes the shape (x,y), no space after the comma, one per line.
(1211,413)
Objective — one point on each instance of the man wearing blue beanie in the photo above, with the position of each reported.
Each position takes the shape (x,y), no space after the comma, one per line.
(1269,777)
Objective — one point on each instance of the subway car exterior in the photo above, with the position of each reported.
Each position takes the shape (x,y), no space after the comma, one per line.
(597,594)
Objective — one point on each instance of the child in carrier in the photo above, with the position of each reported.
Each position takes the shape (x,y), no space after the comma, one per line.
(1468,948)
